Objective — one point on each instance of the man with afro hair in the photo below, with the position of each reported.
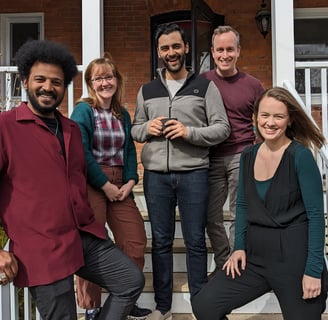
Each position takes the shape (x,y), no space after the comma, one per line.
(44,209)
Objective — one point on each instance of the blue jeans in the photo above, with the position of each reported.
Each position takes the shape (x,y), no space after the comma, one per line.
(163,192)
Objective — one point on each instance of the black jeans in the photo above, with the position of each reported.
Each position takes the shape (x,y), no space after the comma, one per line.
(105,265)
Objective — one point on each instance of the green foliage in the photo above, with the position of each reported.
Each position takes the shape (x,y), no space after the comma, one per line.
(3,237)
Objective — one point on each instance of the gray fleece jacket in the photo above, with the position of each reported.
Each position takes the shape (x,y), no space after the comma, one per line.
(197,105)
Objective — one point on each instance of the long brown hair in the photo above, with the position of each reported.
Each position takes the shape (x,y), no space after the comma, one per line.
(302,127)
(116,103)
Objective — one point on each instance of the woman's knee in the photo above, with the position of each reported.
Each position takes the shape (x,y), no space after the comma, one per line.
(205,307)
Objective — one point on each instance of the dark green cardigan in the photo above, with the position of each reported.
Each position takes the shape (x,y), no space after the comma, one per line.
(84,117)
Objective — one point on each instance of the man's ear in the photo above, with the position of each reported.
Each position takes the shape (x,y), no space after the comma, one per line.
(186,48)
(24,81)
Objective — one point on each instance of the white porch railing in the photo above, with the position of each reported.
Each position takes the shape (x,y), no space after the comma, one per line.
(11,91)
(312,86)
(311,80)
(15,305)
(9,300)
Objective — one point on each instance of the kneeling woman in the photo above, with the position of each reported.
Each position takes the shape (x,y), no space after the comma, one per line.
(280,227)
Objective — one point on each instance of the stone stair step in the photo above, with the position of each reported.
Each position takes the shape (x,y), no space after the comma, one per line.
(178,246)
(179,263)
(180,283)
(263,308)
(226,215)
(234,316)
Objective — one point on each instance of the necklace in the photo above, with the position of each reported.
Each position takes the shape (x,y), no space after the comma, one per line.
(57,126)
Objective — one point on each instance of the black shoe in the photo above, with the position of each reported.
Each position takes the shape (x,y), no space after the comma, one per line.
(92,315)
(138,313)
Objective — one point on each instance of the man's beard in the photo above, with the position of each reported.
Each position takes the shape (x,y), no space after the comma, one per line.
(37,107)
(182,60)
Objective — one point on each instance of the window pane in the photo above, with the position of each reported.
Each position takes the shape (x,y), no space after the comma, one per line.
(311,44)
(20,33)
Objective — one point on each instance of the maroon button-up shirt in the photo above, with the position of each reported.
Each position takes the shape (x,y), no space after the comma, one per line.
(43,197)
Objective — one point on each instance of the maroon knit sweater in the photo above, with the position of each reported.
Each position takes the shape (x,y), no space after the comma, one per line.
(239,94)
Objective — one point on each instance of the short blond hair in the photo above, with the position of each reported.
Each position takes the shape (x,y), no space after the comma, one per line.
(224,29)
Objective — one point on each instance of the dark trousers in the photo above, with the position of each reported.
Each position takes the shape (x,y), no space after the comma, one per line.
(127,225)
(163,192)
(279,268)
(105,265)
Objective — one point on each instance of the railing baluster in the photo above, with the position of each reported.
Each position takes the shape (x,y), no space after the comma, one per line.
(8,91)
(5,302)
(27,305)
(324,101)
(308,102)
(70,91)
(14,303)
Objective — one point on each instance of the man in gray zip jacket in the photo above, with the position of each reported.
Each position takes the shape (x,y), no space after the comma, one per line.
(178,116)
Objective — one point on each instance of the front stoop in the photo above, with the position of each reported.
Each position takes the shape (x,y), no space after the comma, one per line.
(248,316)
(264,308)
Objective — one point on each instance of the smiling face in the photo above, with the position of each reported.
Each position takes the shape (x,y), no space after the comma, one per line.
(45,88)
(225,53)
(172,51)
(104,84)
(272,119)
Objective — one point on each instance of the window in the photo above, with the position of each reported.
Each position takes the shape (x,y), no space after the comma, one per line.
(310,43)
(17,29)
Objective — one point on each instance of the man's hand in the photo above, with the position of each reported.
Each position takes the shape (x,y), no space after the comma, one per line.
(8,267)
(155,127)
(175,129)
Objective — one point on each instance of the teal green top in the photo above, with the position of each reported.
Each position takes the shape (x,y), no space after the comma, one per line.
(310,183)
(84,117)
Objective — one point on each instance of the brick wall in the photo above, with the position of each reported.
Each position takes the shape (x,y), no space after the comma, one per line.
(128,38)
(127,33)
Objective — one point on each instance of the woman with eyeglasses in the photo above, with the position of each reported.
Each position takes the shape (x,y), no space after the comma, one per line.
(111,171)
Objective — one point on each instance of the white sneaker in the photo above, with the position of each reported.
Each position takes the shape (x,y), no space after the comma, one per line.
(156,315)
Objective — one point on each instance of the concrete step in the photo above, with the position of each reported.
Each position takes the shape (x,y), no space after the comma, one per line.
(178,246)
(179,263)
(181,304)
(263,316)
(263,308)
(178,231)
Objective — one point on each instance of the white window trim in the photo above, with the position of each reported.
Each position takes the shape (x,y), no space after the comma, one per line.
(6,20)
(311,13)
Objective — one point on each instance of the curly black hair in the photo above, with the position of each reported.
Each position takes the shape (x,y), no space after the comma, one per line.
(47,52)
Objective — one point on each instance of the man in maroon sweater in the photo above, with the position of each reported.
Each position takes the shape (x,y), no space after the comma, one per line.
(239,92)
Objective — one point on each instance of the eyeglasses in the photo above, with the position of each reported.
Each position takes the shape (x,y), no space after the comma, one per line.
(101,79)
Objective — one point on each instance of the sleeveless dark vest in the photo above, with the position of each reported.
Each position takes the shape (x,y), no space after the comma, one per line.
(283,203)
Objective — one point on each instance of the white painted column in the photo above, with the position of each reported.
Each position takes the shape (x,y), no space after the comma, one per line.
(283,58)
(92,32)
